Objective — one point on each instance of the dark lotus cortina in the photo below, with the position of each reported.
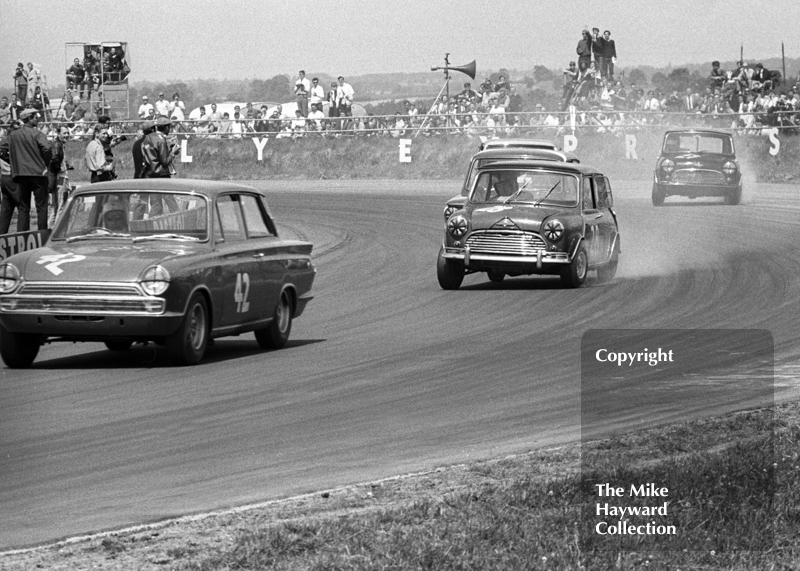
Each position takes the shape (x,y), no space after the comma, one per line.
(175,262)
(532,217)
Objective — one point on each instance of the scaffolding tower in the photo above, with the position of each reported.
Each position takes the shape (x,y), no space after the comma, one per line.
(104,84)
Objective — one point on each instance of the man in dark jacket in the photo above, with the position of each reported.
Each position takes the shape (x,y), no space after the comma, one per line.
(158,153)
(138,157)
(609,56)
(30,152)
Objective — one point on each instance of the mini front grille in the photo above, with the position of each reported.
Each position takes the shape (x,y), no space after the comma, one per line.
(687,176)
(508,243)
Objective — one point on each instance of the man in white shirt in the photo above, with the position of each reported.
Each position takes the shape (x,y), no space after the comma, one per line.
(316,116)
(145,108)
(302,88)
(344,100)
(317,93)
(162,106)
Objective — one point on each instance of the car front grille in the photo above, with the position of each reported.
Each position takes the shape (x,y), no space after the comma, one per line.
(76,298)
(508,243)
(81,289)
(689,176)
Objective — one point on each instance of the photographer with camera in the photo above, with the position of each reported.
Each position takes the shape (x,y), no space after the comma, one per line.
(159,151)
(21,82)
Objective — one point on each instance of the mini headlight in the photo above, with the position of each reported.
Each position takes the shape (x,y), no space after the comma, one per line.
(667,166)
(9,278)
(155,280)
(457,226)
(448,210)
(729,168)
(553,230)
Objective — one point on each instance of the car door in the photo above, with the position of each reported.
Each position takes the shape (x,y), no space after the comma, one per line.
(592,218)
(268,251)
(238,260)
(606,224)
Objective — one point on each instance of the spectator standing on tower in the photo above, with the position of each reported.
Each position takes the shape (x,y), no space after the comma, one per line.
(302,89)
(609,56)
(29,154)
(76,77)
(584,50)
(21,83)
(598,48)
(317,93)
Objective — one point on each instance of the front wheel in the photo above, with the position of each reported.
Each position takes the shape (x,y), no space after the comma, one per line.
(734,197)
(277,334)
(658,196)
(18,350)
(118,344)
(495,276)
(449,272)
(574,274)
(188,344)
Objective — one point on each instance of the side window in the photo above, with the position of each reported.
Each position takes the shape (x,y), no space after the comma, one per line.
(608,193)
(588,201)
(230,218)
(601,192)
(254,217)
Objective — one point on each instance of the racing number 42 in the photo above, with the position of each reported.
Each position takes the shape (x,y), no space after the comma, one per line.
(241,293)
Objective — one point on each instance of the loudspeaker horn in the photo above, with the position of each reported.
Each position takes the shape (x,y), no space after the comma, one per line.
(468,69)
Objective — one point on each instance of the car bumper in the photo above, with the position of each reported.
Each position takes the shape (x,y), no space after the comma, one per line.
(695,190)
(477,260)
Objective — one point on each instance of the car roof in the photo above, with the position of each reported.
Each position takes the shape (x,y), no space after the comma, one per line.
(526,152)
(698,132)
(525,143)
(209,188)
(572,168)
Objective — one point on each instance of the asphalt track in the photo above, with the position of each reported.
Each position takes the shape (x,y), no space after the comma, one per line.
(385,373)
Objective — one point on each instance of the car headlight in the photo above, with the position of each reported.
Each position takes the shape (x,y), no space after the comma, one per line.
(553,230)
(729,168)
(155,280)
(9,278)
(667,166)
(457,226)
(448,211)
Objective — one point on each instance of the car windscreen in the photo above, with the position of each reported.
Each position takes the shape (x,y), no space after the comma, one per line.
(528,186)
(698,143)
(134,215)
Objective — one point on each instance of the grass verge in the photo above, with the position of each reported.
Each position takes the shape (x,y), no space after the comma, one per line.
(739,510)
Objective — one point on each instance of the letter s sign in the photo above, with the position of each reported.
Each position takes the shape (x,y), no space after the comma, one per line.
(775,142)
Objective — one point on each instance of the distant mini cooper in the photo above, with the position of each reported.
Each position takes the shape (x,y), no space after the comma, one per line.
(695,163)
(532,217)
(176,262)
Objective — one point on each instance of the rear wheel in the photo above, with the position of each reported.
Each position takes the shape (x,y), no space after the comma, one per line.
(449,272)
(574,274)
(496,276)
(188,344)
(658,196)
(18,350)
(118,344)
(606,273)
(277,334)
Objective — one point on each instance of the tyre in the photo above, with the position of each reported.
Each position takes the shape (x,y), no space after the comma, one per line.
(734,197)
(658,196)
(496,276)
(18,350)
(188,344)
(118,344)
(449,272)
(277,334)
(574,274)
(607,272)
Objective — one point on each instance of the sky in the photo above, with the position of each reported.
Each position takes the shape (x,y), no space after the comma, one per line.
(236,39)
